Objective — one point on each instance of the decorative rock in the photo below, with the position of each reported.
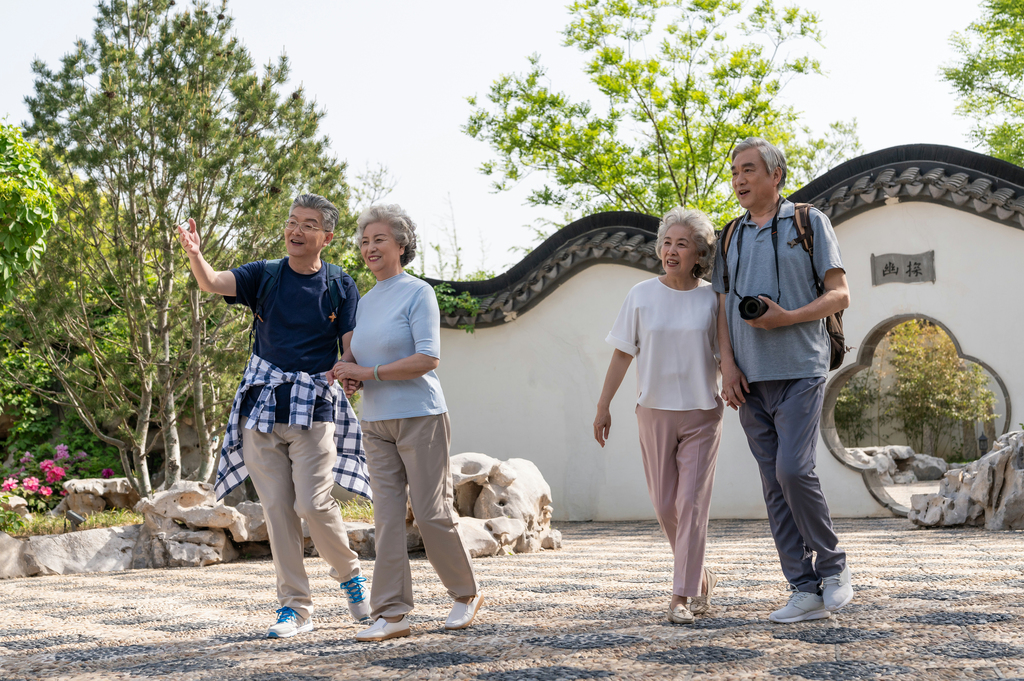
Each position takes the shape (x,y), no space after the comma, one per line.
(101,550)
(989,491)
(927,467)
(899,452)
(17,504)
(193,504)
(202,540)
(11,551)
(256,524)
(885,466)
(904,478)
(479,541)
(92,495)
(513,494)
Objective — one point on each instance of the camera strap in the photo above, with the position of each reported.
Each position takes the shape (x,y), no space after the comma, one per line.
(775,250)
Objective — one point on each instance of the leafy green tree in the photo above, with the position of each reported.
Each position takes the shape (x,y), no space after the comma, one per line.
(161,116)
(934,391)
(988,77)
(27,210)
(853,408)
(681,82)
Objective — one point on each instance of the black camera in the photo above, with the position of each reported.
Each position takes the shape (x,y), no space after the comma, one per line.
(752,308)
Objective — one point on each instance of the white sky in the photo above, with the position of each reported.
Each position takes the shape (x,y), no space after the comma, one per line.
(393,77)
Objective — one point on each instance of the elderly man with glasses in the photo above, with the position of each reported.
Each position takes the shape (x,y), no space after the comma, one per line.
(291,429)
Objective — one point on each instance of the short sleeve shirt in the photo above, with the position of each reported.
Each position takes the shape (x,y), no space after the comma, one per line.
(300,331)
(796,351)
(397,318)
(674,337)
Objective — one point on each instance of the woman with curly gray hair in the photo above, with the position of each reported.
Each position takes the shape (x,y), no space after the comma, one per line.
(406,433)
(670,324)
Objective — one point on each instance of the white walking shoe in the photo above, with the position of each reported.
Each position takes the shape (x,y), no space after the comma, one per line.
(837,590)
(288,624)
(680,614)
(463,613)
(382,630)
(802,606)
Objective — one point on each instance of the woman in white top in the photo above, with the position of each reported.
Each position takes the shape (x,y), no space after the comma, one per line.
(670,325)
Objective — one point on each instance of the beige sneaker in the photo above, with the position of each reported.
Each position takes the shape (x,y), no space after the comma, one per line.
(700,604)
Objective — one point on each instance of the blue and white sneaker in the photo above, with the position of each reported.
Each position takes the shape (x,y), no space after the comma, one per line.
(288,624)
(358,597)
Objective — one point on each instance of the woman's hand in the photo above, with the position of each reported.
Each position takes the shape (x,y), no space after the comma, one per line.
(734,384)
(602,424)
(350,386)
(343,371)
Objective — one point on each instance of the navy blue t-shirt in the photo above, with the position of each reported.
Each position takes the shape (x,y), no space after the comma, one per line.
(296,333)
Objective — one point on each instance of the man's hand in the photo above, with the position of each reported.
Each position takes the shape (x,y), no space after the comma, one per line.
(734,384)
(773,318)
(350,386)
(189,238)
(602,424)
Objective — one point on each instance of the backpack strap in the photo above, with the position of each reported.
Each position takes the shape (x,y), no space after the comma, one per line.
(725,239)
(805,237)
(271,273)
(335,281)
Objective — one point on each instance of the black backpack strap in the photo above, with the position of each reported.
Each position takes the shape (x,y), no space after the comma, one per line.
(271,273)
(724,240)
(335,285)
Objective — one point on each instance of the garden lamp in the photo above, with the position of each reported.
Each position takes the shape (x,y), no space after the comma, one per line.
(983,444)
(74,519)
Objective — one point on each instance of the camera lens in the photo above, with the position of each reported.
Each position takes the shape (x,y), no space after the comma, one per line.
(752,308)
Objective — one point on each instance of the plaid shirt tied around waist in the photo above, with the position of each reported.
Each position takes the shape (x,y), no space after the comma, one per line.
(350,467)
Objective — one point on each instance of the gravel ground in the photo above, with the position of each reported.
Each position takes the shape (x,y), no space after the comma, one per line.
(930,604)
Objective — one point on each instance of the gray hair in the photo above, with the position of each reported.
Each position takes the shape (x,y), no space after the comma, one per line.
(771,155)
(402,227)
(328,211)
(703,234)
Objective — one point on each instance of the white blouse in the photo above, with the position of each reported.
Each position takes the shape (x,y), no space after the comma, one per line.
(674,337)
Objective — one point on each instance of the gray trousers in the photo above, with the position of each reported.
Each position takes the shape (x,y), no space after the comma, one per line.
(781,421)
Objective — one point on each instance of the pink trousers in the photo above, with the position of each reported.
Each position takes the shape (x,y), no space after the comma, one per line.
(680,449)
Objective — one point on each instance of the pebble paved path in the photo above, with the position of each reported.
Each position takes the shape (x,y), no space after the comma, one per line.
(930,604)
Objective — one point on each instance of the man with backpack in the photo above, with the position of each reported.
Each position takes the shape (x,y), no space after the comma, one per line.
(291,429)
(782,289)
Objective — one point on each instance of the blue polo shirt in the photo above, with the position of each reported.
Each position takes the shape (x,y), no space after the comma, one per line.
(297,332)
(796,351)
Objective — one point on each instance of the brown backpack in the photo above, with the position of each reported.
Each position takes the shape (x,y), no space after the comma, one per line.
(805,237)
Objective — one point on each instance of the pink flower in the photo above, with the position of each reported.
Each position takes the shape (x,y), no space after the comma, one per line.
(54,474)
(28,458)
(81,456)
(30,484)
(62,453)
(47,464)
(107,473)
(9,484)
(45,491)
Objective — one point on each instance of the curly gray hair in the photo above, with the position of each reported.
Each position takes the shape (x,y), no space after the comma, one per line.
(328,211)
(402,227)
(703,234)
(771,155)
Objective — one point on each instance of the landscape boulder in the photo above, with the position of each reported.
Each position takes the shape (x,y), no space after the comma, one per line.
(101,550)
(927,467)
(988,492)
(92,495)
(489,489)
(17,504)
(11,553)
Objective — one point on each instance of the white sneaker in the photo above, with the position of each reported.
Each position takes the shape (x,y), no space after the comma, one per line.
(837,590)
(288,624)
(463,613)
(383,630)
(802,606)
(357,594)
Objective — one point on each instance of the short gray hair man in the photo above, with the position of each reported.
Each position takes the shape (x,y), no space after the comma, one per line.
(328,211)
(771,155)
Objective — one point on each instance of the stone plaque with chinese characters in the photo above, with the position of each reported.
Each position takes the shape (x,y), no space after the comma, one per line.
(897,268)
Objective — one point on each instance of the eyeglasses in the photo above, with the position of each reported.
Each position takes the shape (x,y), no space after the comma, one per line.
(305,228)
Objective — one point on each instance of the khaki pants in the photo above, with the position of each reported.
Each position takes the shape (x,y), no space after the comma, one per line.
(680,449)
(413,452)
(291,469)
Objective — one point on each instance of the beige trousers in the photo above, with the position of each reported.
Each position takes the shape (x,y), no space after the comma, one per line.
(291,469)
(680,449)
(413,452)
